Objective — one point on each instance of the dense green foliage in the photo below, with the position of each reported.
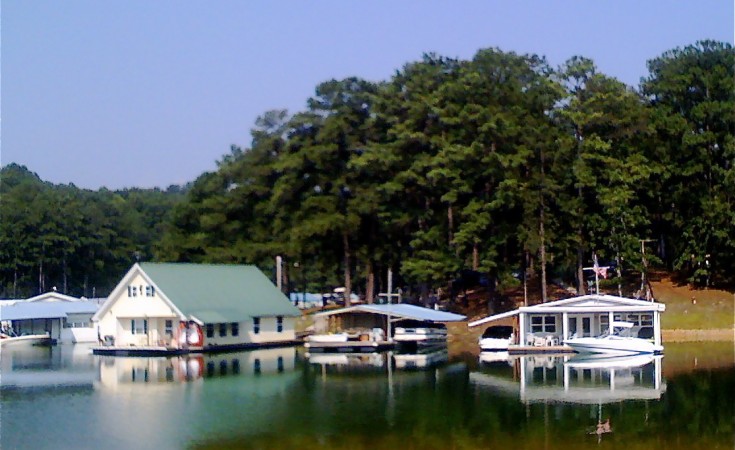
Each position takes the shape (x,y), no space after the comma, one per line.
(500,164)
(77,241)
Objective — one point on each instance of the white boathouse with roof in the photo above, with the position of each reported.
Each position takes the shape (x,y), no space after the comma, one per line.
(550,324)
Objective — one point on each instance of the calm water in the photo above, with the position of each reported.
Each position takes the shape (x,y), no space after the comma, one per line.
(65,398)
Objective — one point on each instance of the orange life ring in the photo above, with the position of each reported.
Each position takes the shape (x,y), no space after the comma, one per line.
(195,337)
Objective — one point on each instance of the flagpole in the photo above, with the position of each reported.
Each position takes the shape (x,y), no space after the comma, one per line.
(596,269)
(597,274)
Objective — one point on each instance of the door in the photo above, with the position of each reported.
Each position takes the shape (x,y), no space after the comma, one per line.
(581,325)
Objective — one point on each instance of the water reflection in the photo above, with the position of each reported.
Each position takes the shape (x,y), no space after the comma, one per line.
(280,398)
(426,358)
(582,379)
(118,372)
(45,367)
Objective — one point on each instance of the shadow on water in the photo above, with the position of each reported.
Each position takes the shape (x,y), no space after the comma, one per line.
(287,398)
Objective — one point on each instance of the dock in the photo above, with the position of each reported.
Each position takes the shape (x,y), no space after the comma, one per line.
(109,350)
(534,350)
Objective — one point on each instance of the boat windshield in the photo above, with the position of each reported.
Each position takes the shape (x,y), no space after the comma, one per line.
(622,329)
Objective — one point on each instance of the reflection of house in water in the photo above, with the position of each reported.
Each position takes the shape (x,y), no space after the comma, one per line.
(47,367)
(117,372)
(574,379)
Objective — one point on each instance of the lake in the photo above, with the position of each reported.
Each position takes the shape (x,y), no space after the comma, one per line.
(65,398)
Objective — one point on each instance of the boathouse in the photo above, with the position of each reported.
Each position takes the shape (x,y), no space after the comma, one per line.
(64,318)
(174,307)
(387,317)
(550,324)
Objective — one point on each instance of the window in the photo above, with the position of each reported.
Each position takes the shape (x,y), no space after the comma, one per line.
(150,291)
(169,327)
(133,291)
(543,324)
(139,327)
(643,320)
(222,330)
(235,327)
(210,330)
(279,324)
(256,325)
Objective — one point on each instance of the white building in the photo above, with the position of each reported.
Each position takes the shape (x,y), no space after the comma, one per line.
(64,318)
(550,324)
(195,307)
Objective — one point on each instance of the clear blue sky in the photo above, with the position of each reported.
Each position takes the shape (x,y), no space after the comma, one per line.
(152,93)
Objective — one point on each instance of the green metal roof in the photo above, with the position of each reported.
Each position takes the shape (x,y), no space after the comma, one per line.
(217,293)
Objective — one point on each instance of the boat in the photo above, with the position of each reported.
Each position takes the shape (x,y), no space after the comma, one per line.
(28,339)
(619,342)
(354,340)
(496,338)
(422,335)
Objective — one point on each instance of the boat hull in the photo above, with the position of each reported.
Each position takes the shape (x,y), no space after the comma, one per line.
(36,339)
(494,344)
(613,345)
(420,335)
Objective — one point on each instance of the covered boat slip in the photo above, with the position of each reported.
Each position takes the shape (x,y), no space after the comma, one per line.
(368,328)
(545,327)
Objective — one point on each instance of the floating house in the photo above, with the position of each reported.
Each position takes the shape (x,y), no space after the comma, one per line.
(65,319)
(545,327)
(179,308)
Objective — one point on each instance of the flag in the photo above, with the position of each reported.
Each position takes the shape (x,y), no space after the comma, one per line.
(601,271)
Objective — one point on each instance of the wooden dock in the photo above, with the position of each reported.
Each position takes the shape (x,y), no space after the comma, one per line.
(533,350)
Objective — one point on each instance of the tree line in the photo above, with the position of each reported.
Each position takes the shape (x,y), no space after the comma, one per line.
(76,241)
(502,165)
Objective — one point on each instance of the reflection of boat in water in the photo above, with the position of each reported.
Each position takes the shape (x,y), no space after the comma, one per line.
(605,361)
(343,359)
(585,379)
(493,357)
(616,343)
(421,360)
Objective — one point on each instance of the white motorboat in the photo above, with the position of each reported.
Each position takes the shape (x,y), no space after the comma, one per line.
(29,339)
(335,337)
(496,338)
(419,334)
(616,343)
